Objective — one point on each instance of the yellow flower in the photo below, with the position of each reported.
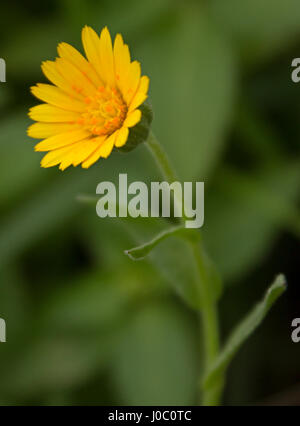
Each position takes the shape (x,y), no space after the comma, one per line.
(92,104)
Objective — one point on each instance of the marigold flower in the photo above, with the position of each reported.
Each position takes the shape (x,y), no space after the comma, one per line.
(93,103)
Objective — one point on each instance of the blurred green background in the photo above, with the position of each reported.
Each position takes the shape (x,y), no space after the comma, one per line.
(85,325)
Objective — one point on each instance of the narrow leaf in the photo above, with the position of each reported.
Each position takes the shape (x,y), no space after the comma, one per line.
(244,330)
(138,253)
(87,199)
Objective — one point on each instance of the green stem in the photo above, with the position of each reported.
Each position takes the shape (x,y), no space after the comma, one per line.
(208,305)
(210,325)
(161,158)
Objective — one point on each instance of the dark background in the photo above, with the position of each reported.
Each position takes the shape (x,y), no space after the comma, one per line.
(85,325)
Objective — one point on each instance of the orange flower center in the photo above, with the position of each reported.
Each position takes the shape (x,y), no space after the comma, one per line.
(105,112)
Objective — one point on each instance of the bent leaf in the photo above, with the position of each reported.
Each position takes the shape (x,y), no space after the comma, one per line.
(244,330)
(138,253)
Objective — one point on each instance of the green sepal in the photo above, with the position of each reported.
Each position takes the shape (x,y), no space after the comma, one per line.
(140,132)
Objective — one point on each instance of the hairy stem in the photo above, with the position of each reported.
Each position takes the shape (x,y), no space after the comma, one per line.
(209,315)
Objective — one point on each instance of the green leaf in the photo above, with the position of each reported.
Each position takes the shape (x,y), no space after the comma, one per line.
(174,258)
(87,199)
(98,14)
(155,361)
(28,173)
(138,253)
(260,28)
(77,330)
(55,203)
(41,214)
(244,214)
(192,89)
(244,330)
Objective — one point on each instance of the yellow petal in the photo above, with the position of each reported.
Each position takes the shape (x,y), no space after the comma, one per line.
(122,137)
(68,52)
(54,157)
(104,150)
(132,82)
(52,114)
(61,140)
(133,118)
(107,147)
(88,147)
(144,84)
(50,70)
(138,99)
(106,57)
(76,80)
(90,41)
(80,152)
(122,61)
(141,93)
(45,130)
(54,96)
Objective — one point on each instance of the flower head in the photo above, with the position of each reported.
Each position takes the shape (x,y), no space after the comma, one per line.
(92,104)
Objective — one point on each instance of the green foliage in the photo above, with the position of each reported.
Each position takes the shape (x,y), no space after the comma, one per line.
(139,133)
(260,29)
(244,330)
(85,323)
(147,364)
(193,100)
(142,251)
